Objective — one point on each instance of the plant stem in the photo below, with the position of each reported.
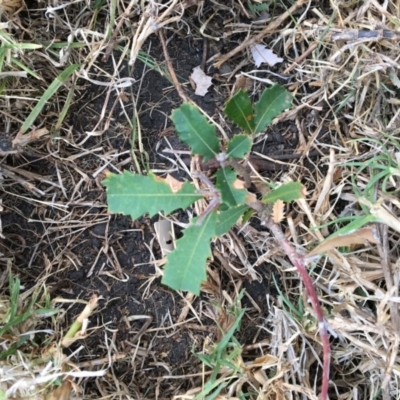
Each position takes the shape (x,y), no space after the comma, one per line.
(298,262)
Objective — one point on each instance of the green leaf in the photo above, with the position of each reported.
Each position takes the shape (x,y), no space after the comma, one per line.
(240,110)
(50,91)
(229,195)
(272,102)
(247,215)
(136,195)
(194,130)
(186,265)
(286,192)
(227,219)
(239,146)
(358,223)
(64,111)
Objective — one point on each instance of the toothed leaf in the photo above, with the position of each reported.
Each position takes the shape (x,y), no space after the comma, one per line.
(240,110)
(227,219)
(186,265)
(286,192)
(272,102)
(136,195)
(229,195)
(239,146)
(194,130)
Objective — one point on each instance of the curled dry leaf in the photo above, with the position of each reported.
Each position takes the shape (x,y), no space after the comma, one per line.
(278,211)
(360,236)
(382,212)
(202,81)
(263,55)
(63,392)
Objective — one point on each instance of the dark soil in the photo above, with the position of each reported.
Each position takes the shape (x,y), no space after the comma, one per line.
(95,253)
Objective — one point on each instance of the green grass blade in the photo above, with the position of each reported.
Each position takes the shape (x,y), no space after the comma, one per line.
(64,110)
(51,90)
(25,68)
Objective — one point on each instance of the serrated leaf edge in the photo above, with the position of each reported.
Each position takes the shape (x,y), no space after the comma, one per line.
(200,237)
(284,94)
(249,127)
(189,121)
(233,150)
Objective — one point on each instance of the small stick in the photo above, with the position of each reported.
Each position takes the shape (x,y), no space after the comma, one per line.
(355,34)
(257,38)
(124,16)
(299,59)
(204,59)
(142,330)
(171,70)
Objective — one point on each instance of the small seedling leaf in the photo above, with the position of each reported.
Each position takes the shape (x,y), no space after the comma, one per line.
(227,219)
(136,195)
(186,265)
(239,146)
(272,102)
(240,110)
(194,130)
(286,192)
(229,195)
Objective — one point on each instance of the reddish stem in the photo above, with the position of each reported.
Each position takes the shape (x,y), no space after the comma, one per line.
(298,262)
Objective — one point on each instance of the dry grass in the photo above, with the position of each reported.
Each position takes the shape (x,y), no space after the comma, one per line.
(342,64)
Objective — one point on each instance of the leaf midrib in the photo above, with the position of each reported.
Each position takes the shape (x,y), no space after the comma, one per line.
(198,134)
(266,111)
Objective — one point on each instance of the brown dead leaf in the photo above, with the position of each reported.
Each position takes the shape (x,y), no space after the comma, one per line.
(360,236)
(244,83)
(63,392)
(124,97)
(278,211)
(267,360)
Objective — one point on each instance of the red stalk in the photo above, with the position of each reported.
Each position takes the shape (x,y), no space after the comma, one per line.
(298,262)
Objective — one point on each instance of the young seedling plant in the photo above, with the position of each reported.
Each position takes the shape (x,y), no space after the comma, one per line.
(227,196)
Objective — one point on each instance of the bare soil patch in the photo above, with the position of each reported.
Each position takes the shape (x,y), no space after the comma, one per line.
(58,233)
